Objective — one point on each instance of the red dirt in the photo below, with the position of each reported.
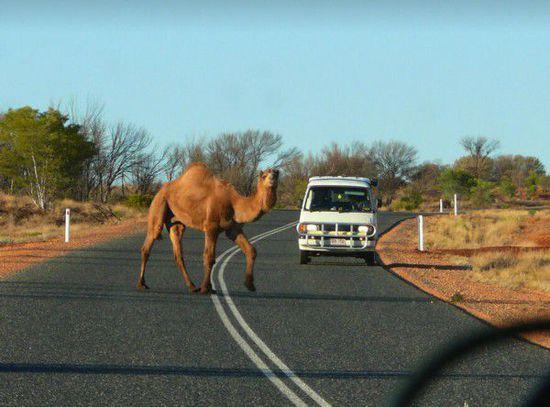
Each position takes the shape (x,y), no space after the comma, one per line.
(537,232)
(14,257)
(434,273)
(471,252)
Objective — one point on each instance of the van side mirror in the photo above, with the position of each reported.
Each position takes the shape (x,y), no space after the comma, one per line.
(300,203)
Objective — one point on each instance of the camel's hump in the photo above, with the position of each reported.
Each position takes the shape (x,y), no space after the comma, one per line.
(198,173)
(199,164)
(198,167)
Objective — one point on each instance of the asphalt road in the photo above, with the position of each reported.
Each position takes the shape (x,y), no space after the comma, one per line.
(74,331)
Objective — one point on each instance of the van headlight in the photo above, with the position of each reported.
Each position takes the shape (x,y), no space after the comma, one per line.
(303,228)
(369,230)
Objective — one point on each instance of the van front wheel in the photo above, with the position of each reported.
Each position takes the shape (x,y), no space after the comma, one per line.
(304,257)
(370,258)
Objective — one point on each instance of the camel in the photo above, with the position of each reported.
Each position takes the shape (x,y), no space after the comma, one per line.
(200,200)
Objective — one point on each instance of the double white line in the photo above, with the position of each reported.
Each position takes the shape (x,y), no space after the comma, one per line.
(242,342)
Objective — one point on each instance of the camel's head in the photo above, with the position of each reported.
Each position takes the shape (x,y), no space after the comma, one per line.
(269,178)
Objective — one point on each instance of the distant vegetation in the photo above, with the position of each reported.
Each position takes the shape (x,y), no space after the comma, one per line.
(64,153)
(22,221)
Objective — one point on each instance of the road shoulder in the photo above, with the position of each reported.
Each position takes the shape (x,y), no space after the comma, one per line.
(15,257)
(434,274)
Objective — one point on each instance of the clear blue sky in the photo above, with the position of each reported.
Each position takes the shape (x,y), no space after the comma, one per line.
(425,72)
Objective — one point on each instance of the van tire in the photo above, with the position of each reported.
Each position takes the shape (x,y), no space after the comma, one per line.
(370,258)
(304,257)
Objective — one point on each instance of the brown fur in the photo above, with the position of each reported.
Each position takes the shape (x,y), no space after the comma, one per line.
(200,200)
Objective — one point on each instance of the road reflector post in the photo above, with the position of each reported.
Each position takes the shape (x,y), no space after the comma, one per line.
(456,204)
(441,206)
(421,233)
(67,224)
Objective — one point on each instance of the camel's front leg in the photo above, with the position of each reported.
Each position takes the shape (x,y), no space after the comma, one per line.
(176,233)
(209,256)
(250,253)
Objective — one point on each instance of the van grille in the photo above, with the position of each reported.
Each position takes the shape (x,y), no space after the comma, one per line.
(331,227)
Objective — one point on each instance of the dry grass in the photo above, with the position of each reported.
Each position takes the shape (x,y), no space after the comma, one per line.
(513,270)
(488,229)
(493,229)
(21,221)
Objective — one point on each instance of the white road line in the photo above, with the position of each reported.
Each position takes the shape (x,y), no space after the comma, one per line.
(250,332)
(283,388)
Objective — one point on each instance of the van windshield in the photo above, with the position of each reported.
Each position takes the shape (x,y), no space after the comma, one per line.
(338,199)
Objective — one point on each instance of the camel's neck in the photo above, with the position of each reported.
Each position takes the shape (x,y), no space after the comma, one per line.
(250,208)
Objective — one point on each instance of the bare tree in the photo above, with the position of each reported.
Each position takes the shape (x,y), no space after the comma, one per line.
(479,149)
(351,160)
(124,147)
(425,179)
(238,156)
(175,160)
(146,171)
(93,127)
(395,162)
(195,151)
(516,168)
(119,149)
(179,156)
(292,185)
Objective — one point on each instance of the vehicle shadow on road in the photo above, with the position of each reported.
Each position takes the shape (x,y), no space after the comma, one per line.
(121,293)
(429,266)
(326,297)
(136,370)
(181,296)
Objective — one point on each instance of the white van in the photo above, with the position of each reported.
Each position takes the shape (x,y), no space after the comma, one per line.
(338,217)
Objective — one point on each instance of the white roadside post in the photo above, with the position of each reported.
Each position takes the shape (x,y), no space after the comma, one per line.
(421,233)
(67,224)
(441,206)
(456,205)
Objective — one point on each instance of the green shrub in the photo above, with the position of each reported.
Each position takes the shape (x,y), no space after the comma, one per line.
(411,201)
(482,194)
(395,205)
(506,188)
(531,184)
(457,297)
(138,201)
(456,182)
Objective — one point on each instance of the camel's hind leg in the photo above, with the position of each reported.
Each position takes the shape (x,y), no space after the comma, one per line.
(176,232)
(145,252)
(158,212)
(209,257)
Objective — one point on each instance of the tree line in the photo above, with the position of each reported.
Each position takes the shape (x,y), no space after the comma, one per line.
(54,154)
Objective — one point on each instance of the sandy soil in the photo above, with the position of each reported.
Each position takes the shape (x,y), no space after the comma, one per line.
(437,273)
(14,257)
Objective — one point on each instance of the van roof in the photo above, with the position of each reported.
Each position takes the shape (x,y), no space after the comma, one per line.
(348,181)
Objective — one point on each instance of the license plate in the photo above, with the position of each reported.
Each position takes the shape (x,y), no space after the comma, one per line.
(338,242)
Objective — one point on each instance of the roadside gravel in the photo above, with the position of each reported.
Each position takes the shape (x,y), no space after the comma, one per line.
(438,274)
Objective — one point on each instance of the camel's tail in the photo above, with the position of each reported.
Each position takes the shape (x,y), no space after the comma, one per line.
(158,212)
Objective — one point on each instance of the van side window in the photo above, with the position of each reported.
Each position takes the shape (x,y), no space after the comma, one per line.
(308,199)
